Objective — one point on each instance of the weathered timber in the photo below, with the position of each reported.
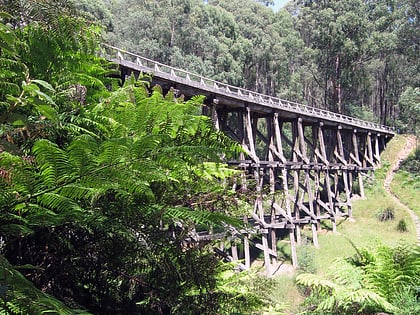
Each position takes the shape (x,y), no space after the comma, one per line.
(302,161)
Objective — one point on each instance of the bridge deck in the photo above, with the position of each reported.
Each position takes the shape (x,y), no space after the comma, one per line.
(193,84)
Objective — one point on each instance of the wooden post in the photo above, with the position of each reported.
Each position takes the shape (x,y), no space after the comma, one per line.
(242,129)
(317,171)
(327,182)
(234,252)
(295,154)
(359,163)
(246,247)
(345,171)
(377,151)
(271,155)
(308,187)
(369,149)
(279,148)
(259,183)
(214,116)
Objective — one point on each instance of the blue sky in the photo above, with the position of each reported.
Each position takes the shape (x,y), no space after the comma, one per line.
(279,4)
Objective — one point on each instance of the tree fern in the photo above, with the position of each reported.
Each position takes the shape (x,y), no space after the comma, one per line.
(53,162)
(372,281)
(103,191)
(21,296)
(394,269)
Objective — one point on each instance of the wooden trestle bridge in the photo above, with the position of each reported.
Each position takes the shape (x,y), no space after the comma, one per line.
(304,163)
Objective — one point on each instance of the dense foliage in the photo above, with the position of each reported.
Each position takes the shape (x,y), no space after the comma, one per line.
(101,185)
(412,163)
(383,279)
(352,56)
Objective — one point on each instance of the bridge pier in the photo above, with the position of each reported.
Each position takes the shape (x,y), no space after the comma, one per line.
(302,173)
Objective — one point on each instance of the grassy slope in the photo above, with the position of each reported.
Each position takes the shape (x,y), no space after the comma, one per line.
(365,230)
(407,187)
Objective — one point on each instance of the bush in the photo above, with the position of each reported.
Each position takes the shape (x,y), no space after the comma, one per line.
(407,301)
(386,214)
(412,163)
(385,279)
(306,259)
(402,226)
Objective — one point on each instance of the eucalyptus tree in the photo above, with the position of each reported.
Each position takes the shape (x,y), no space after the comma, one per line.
(264,55)
(393,67)
(409,111)
(290,77)
(335,34)
(362,52)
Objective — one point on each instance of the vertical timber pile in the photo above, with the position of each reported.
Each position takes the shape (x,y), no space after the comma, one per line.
(301,172)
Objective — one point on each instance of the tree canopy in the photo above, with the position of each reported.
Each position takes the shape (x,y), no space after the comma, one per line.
(355,57)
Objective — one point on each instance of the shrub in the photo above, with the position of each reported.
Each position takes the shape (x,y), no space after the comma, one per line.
(407,302)
(306,259)
(386,214)
(402,226)
(412,163)
(385,279)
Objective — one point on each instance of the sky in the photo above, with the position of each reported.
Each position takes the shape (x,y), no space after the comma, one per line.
(279,4)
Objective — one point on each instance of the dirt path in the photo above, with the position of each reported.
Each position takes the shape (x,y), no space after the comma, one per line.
(402,155)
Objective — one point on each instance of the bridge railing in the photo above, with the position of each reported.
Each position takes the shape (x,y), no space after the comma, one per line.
(237,92)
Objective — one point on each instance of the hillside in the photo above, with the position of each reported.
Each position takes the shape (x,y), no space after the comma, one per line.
(354,57)
(364,230)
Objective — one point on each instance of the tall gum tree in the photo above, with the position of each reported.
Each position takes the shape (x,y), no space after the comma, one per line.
(334,33)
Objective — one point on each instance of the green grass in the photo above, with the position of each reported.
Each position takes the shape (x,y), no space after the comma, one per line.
(364,229)
(285,290)
(407,188)
(406,183)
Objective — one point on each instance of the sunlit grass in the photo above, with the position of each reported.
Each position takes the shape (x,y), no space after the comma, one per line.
(363,230)
(285,290)
(407,188)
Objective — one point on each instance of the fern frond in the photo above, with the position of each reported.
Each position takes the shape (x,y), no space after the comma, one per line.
(318,283)
(53,162)
(89,124)
(60,204)
(393,268)
(212,170)
(82,154)
(40,216)
(346,274)
(145,146)
(114,151)
(367,298)
(328,304)
(205,218)
(78,191)
(24,297)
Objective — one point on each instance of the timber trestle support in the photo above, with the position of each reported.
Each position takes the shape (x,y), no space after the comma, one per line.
(302,165)
(301,173)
